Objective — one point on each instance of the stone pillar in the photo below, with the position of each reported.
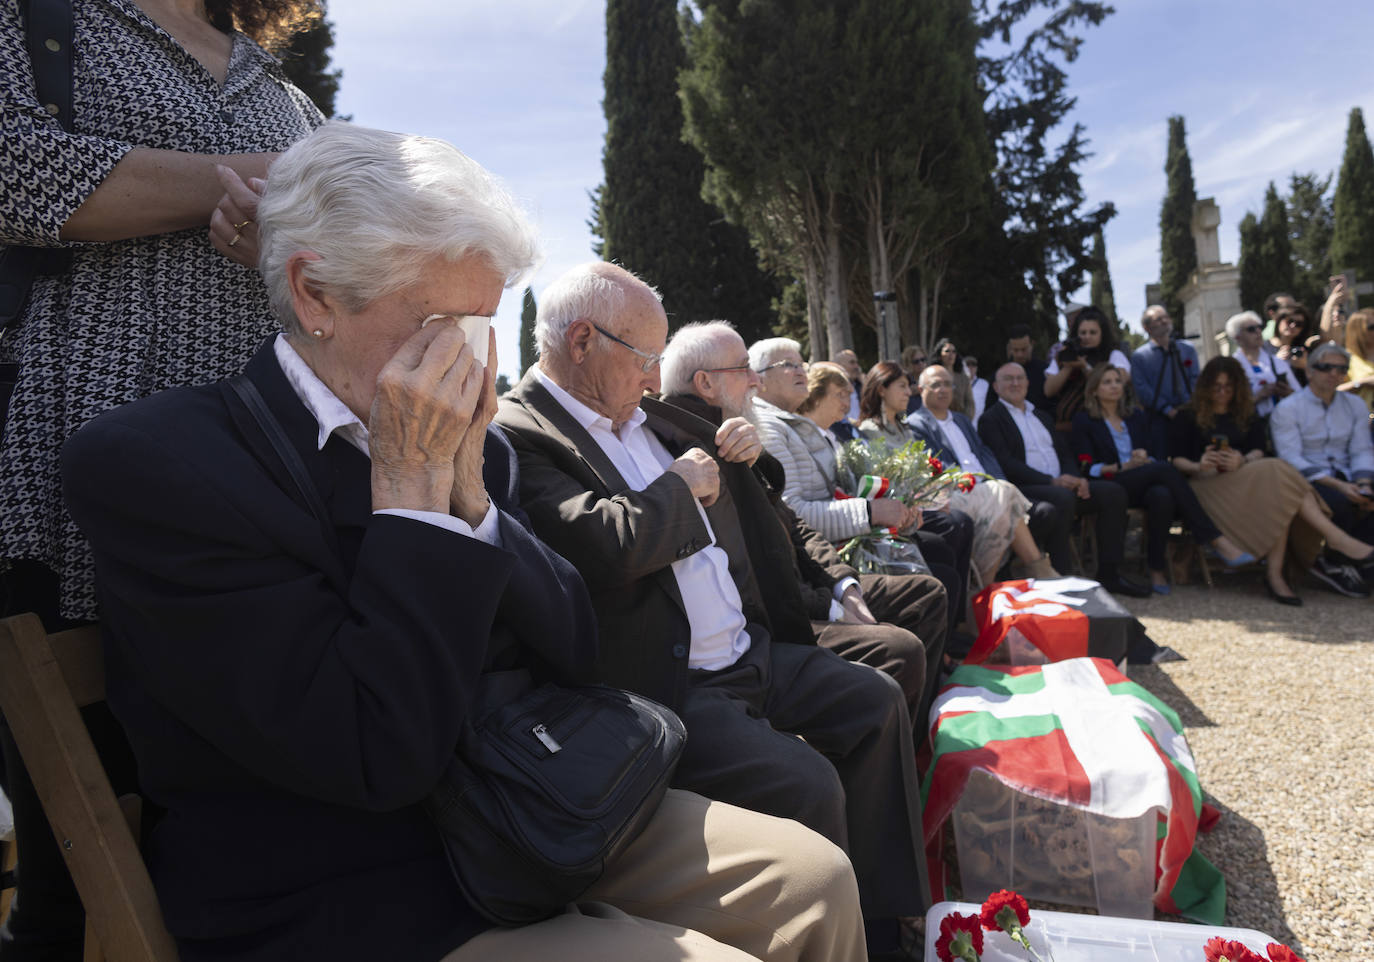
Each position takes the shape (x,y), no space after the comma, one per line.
(1212,293)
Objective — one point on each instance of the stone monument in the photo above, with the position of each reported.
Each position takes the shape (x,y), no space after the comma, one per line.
(1212,293)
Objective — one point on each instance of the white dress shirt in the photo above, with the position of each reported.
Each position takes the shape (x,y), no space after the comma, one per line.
(1040,453)
(714,608)
(333,415)
(954,437)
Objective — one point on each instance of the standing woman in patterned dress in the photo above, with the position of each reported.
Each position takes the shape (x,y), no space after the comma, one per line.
(176,108)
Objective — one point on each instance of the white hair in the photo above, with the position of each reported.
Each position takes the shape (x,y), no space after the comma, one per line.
(1325,348)
(588,292)
(1236,321)
(762,353)
(376,207)
(694,347)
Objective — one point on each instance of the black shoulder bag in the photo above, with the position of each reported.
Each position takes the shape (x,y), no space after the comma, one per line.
(48,34)
(548,784)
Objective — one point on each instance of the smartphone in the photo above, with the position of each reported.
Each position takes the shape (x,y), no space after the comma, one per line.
(1221,442)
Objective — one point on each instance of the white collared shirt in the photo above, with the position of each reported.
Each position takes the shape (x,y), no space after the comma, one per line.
(954,437)
(332,415)
(1040,453)
(714,608)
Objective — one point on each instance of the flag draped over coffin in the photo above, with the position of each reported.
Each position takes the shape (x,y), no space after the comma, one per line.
(1063,617)
(1077,733)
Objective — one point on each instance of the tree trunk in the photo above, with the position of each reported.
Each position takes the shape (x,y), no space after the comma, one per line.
(880,279)
(815,310)
(841,337)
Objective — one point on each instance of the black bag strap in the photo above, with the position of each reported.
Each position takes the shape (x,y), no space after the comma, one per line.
(276,435)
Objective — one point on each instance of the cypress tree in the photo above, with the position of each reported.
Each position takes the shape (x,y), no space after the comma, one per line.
(1352,239)
(305,61)
(528,312)
(650,215)
(1253,285)
(1177,250)
(1101,294)
(1309,231)
(1266,255)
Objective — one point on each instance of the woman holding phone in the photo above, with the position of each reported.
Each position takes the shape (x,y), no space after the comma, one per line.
(1263,504)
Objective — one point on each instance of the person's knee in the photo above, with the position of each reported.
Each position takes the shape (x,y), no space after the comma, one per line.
(1159,500)
(814,870)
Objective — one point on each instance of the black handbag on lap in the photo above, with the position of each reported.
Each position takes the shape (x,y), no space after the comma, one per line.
(548,784)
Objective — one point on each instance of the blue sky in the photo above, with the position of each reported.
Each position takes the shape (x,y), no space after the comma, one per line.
(1265,85)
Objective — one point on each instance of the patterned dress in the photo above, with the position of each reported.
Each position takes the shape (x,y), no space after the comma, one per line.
(134,316)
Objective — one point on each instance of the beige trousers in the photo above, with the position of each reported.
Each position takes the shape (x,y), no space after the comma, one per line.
(705,881)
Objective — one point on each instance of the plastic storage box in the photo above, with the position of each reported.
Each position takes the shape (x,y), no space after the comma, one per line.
(1090,938)
(1052,852)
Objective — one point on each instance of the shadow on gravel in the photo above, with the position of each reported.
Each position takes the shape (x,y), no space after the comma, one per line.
(1237,848)
(1159,684)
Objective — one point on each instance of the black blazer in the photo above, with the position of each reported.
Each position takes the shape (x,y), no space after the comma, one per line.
(1092,439)
(291,705)
(999,432)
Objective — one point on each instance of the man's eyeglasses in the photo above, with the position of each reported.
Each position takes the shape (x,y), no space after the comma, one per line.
(1251,329)
(737,369)
(650,360)
(1325,366)
(789,365)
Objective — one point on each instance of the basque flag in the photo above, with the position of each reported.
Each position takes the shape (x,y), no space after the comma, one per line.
(1063,617)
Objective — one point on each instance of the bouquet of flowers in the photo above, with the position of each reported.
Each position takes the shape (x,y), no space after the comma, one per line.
(876,469)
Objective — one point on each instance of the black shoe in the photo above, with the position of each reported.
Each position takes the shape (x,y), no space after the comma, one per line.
(1125,586)
(1293,600)
(1342,579)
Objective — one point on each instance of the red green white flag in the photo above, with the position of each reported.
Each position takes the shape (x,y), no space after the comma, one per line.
(1078,733)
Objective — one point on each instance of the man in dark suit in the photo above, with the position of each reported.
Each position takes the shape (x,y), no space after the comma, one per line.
(1035,459)
(806,587)
(660,545)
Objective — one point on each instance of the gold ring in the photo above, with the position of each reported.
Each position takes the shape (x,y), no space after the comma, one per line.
(240,227)
(235,239)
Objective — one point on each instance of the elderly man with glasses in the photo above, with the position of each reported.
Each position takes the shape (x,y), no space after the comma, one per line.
(616,484)
(1164,371)
(1324,433)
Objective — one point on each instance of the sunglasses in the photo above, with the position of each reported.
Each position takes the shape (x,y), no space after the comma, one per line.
(1324,367)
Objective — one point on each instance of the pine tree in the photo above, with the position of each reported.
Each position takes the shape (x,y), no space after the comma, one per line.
(1309,230)
(1352,239)
(528,314)
(305,61)
(1102,296)
(649,214)
(1177,249)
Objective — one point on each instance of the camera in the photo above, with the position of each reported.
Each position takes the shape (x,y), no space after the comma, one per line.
(1068,352)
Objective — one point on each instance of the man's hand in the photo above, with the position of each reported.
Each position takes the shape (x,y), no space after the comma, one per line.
(232,230)
(468,498)
(855,609)
(427,396)
(701,473)
(889,513)
(1077,485)
(738,440)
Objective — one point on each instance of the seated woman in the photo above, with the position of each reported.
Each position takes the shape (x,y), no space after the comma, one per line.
(1109,438)
(294,680)
(1271,379)
(883,403)
(1089,344)
(1292,326)
(1264,505)
(1359,341)
(998,509)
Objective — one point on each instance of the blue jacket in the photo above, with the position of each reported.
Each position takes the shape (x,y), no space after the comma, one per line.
(929,430)
(1175,371)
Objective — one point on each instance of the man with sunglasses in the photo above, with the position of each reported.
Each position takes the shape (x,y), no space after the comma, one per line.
(614,484)
(1324,433)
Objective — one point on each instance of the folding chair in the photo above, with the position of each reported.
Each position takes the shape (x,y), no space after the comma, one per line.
(44,681)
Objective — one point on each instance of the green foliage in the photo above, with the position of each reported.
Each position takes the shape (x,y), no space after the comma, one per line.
(1310,224)
(502,384)
(305,61)
(1101,295)
(529,312)
(649,214)
(1266,254)
(1352,239)
(1177,249)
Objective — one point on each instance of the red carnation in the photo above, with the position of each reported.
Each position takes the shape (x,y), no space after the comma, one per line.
(1282,953)
(1007,911)
(961,937)
(966,483)
(1222,950)
(1187,362)
(936,466)
(1085,459)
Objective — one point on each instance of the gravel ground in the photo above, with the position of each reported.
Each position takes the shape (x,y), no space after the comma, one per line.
(1276,702)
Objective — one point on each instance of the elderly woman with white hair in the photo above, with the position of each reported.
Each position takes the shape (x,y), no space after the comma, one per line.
(308,574)
(1271,379)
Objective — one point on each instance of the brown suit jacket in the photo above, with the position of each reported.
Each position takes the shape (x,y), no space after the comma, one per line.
(622,541)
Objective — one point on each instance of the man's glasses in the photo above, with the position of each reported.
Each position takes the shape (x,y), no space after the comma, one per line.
(1251,329)
(1325,367)
(737,369)
(650,360)
(789,365)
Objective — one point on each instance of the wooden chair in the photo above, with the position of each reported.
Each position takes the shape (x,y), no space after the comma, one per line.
(44,681)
